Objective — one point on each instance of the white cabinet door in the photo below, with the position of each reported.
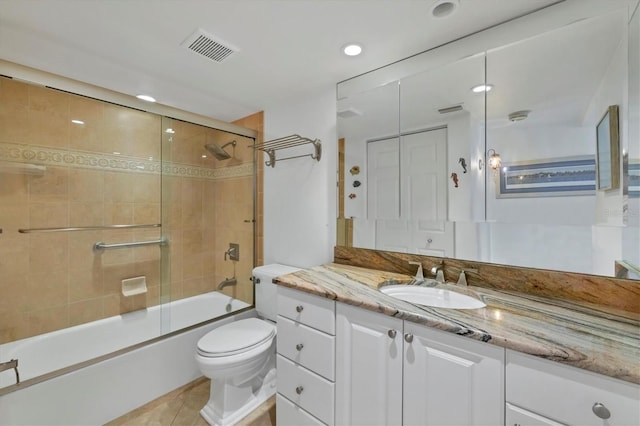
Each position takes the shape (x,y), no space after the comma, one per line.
(451,380)
(368,368)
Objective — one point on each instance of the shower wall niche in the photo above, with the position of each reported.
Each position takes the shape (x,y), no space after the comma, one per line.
(68,161)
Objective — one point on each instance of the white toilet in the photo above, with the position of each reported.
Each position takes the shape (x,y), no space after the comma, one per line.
(240,357)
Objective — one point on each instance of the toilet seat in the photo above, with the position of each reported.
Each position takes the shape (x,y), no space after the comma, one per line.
(235,338)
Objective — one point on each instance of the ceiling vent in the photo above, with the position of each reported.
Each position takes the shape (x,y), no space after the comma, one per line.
(208,45)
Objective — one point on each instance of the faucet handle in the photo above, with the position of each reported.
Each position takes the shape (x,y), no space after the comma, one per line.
(419,274)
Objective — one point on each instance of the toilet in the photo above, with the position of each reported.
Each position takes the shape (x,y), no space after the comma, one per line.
(240,357)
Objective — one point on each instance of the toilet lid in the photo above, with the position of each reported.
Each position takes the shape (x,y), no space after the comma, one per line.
(236,337)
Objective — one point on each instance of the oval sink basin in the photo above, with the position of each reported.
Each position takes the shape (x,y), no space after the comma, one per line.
(430,296)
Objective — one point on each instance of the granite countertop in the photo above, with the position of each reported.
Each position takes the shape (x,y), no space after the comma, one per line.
(585,336)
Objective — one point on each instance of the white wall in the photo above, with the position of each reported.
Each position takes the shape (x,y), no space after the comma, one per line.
(299,194)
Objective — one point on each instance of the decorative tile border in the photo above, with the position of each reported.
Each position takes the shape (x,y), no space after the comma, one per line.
(60,157)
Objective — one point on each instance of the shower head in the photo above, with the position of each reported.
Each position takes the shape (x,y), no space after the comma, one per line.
(218,151)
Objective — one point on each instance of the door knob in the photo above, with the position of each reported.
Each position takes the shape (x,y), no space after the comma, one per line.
(392,333)
(299,347)
(408,337)
(601,411)
(299,390)
(299,308)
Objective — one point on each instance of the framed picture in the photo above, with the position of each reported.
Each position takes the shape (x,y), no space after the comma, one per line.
(608,150)
(547,178)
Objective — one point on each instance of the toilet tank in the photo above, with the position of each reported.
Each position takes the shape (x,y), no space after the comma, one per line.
(266,291)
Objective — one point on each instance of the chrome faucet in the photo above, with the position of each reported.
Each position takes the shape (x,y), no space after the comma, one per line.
(462,279)
(227,282)
(419,275)
(437,270)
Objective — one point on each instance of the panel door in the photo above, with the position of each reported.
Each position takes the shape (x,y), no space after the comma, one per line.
(424,176)
(451,380)
(368,368)
(383,179)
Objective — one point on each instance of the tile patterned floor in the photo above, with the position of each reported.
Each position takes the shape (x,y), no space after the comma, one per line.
(182,408)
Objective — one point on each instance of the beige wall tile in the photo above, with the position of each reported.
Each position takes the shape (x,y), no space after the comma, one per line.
(118,187)
(86,185)
(85,283)
(85,311)
(48,253)
(14,189)
(52,186)
(86,214)
(48,215)
(146,188)
(47,289)
(146,213)
(118,214)
(90,135)
(46,320)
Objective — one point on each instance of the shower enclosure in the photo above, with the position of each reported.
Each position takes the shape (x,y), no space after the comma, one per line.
(112,212)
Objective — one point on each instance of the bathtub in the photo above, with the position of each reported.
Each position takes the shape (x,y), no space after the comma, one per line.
(126,380)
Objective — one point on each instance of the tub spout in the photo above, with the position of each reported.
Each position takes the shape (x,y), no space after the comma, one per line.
(9,365)
(227,282)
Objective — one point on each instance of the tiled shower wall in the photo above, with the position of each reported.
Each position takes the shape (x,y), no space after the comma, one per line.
(105,172)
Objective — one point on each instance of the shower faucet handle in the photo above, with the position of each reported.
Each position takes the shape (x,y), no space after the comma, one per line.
(233,252)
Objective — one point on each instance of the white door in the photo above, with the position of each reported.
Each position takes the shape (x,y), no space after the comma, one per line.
(421,225)
(424,176)
(383,179)
(451,380)
(368,368)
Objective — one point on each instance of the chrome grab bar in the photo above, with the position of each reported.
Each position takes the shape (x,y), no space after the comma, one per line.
(104,246)
(87,228)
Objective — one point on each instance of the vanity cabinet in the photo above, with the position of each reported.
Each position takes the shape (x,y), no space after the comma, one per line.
(550,393)
(368,367)
(393,372)
(306,359)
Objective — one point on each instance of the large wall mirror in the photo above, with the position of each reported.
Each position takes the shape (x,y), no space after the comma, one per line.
(417,151)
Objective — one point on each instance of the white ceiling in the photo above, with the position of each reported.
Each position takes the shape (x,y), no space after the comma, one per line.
(288,49)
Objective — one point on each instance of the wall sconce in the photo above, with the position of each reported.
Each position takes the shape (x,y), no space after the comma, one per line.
(494,160)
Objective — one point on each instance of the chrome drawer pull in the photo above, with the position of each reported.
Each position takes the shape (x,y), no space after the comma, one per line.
(392,334)
(299,308)
(299,347)
(408,337)
(299,390)
(601,411)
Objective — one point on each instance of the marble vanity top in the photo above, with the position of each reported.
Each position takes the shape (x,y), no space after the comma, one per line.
(588,337)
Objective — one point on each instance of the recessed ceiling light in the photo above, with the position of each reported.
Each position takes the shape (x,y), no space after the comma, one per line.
(444,8)
(77,121)
(352,49)
(482,88)
(146,98)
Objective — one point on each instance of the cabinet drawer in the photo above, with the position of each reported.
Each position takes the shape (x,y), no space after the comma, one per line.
(516,416)
(306,389)
(307,346)
(289,414)
(567,394)
(311,310)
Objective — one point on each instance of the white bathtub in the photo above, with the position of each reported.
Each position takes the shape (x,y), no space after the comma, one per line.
(126,380)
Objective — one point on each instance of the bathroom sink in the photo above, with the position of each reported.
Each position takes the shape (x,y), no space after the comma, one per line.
(431,296)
